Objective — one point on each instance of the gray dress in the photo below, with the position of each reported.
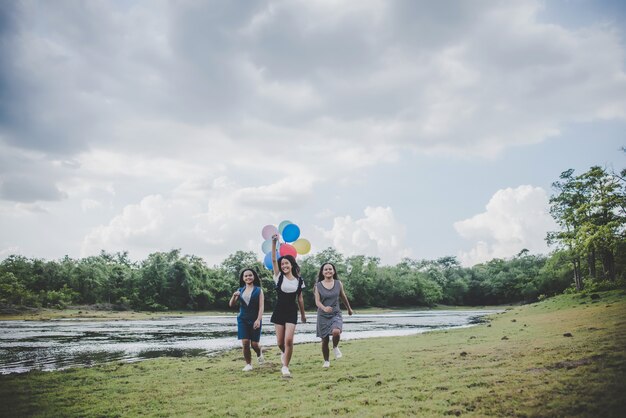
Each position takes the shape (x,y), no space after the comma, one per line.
(326,322)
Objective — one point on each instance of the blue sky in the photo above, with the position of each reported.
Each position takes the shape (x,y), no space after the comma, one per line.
(385,128)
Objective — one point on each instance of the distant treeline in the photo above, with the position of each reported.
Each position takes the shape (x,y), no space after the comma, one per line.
(590,252)
(169,280)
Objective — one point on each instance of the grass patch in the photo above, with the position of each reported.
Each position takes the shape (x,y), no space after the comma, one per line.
(519,364)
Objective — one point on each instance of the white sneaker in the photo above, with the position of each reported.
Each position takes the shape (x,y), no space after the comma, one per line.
(247,368)
(261,359)
(285,371)
(326,364)
(338,354)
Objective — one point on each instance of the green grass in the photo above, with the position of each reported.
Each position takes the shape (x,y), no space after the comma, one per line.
(534,371)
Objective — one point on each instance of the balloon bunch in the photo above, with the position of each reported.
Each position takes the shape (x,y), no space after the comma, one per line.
(291,243)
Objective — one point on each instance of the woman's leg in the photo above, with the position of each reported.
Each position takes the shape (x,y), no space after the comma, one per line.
(290,329)
(280,336)
(256,347)
(246,350)
(325,350)
(336,337)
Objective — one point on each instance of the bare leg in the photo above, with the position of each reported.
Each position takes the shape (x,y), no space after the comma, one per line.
(256,347)
(280,336)
(246,351)
(336,336)
(290,329)
(325,350)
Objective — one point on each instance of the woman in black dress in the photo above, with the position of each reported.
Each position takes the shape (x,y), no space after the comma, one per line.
(289,287)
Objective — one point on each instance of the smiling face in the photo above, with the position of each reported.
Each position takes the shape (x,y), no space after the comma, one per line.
(328,271)
(285,266)
(248,277)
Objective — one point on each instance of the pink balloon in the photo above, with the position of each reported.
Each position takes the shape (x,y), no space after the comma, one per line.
(268,231)
(288,249)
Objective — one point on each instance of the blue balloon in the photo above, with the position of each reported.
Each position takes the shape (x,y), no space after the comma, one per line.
(291,233)
(267,261)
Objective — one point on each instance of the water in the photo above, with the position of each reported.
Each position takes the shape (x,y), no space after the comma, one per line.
(53,345)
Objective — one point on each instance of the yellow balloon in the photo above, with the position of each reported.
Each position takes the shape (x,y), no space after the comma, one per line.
(302,246)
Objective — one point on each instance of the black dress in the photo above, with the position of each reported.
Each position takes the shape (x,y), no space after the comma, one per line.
(286,308)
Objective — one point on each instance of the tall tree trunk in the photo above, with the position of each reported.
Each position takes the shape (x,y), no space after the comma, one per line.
(608,262)
(577,274)
(591,261)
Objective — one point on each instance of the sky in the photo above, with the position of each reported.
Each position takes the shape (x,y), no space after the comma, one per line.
(381,128)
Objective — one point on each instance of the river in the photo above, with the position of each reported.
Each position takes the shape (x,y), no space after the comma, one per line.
(59,344)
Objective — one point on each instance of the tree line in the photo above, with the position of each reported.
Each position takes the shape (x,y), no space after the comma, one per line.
(590,250)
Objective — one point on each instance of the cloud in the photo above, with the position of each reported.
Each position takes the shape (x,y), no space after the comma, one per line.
(208,218)
(377,233)
(28,189)
(430,78)
(206,119)
(514,219)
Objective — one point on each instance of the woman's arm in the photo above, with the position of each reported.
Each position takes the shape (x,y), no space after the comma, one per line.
(301,305)
(233,299)
(343,296)
(274,262)
(259,317)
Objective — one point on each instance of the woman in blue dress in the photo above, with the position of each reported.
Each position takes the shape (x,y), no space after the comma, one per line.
(249,320)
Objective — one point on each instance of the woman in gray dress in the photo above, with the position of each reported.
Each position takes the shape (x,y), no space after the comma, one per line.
(328,290)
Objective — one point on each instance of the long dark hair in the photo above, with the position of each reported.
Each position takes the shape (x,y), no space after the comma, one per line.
(295,268)
(256,281)
(320,275)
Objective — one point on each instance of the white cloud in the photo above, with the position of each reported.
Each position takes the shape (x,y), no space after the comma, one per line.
(208,218)
(5,252)
(377,233)
(87,204)
(118,103)
(514,219)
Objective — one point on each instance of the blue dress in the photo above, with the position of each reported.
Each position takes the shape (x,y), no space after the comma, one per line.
(248,313)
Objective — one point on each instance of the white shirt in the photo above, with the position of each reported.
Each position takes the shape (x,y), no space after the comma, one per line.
(245,295)
(288,286)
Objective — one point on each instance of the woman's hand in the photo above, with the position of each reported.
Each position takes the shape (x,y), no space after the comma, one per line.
(350,311)
(328,309)
(303,318)
(236,294)
(257,324)
(275,238)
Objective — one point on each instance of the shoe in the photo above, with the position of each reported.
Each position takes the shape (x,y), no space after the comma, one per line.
(326,364)
(285,371)
(247,368)
(338,354)
(261,359)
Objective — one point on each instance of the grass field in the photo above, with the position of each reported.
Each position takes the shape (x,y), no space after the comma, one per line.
(522,363)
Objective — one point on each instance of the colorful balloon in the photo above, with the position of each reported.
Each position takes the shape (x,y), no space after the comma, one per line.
(303,246)
(266,247)
(282,225)
(291,233)
(268,231)
(288,249)
(267,261)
